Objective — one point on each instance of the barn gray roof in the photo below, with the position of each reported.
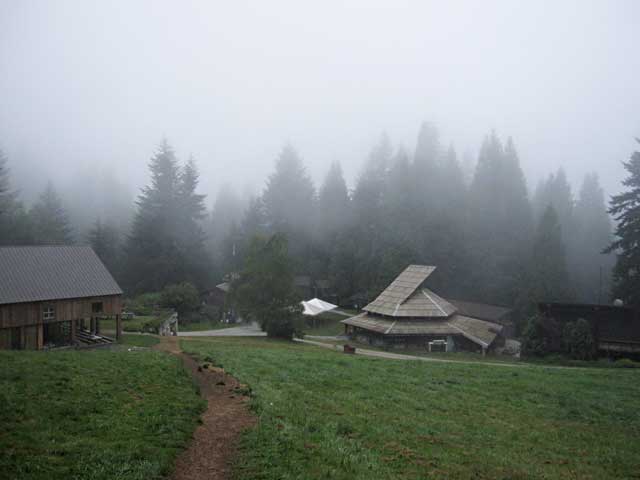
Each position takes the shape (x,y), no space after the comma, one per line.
(483,311)
(404,297)
(39,273)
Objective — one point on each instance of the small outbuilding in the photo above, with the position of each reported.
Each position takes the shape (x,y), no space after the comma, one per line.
(406,314)
(53,296)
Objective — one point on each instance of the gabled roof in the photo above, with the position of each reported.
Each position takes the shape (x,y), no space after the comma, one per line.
(404,297)
(483,311)
(39,273)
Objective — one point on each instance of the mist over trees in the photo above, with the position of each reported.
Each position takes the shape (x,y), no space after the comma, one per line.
(474,218)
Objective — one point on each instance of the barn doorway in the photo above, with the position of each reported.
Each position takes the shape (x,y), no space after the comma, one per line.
(56,334)
(16,338)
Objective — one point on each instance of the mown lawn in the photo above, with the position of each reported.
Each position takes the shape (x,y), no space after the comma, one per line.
(135,340)
(201,326)
(93,414)
(328,415)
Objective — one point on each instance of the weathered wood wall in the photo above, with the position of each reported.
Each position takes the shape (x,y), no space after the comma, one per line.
(23,314)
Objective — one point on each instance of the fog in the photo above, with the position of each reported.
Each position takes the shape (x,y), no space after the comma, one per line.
(96,85)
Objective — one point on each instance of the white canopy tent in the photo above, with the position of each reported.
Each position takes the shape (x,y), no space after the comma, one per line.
(315,306)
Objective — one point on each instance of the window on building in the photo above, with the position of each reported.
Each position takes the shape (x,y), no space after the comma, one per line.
(96,307)
(48,313)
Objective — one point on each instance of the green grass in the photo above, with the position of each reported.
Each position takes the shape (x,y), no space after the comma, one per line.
(325,324)
(139,340)
(328,415)
(96,414)
(201,326)
(132,325)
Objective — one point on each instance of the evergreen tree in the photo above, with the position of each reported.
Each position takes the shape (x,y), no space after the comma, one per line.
(549,279)
(289,195)
(501,222)
(49,219)
(333,202)
(224,228)
(625,209)
(105,240)
(264,291)
(592,270)
(190,234)
(14,222)
(166,244)
(7,196)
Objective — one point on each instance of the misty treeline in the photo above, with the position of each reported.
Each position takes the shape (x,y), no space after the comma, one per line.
(492,241)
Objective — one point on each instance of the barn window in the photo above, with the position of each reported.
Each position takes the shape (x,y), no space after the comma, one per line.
(48,313)
(96,307)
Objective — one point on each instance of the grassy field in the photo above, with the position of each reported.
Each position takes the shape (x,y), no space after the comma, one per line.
(131,325)
(329,415)
(139,340)
(200,326)
(325,324)
(96,414)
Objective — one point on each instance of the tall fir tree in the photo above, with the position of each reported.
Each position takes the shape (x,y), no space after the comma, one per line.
(166,244)
(49,219)
(500,221)
(289,195)
(625,209)
(105,239)
(592,271)
(333,202)
(549,280)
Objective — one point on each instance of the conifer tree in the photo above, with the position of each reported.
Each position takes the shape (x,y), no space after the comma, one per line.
(289,195)
(592,270)
(549,279)
(333,202)
(49,219)
(105,240)
(625,209)
(166,245)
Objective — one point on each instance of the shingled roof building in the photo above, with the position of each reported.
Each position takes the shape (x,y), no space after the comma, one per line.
(408,314)
(55,295)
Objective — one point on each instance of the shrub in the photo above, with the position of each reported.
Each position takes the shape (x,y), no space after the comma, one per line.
(626,363)
(534,340)
(182,297)
(578,341)
(144,304)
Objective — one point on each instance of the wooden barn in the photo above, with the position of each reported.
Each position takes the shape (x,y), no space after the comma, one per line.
(616,330)
(406,314)
(53,296)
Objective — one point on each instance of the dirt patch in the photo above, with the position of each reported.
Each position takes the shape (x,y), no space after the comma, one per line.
(215,442)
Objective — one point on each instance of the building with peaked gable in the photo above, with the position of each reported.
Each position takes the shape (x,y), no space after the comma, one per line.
(52,296)
(406,314)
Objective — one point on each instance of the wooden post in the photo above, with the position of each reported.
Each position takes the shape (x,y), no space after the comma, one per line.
(40,335)
(97,320)
(73,331)
(118,327)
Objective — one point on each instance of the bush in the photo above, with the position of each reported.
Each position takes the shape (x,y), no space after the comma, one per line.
(182,297)
(578,340)
(144,304)
(534,340)
(626,363)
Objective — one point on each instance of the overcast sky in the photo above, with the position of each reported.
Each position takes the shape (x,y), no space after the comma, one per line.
(88,84)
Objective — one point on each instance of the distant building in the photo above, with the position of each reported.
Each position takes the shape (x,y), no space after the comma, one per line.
(406,314)
(52,296)
(616,329)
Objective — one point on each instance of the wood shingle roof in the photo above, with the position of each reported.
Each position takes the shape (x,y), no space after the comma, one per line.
(404,297)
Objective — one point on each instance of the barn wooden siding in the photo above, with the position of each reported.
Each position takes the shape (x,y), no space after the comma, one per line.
(24,314)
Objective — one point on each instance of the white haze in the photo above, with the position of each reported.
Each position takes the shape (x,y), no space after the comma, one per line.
(93,86)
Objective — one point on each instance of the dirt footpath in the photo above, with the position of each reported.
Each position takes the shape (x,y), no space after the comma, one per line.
(215,442)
